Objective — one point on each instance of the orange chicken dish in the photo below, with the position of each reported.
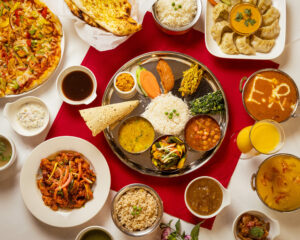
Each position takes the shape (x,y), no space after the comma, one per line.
(66,180)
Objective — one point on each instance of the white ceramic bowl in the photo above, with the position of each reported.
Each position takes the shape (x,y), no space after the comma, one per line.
(274,224)
(225,202)
(10,112)
(64,73)
(129,94)
(87,229)
(13,153)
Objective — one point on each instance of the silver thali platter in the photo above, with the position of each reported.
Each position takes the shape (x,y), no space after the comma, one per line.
(178,62)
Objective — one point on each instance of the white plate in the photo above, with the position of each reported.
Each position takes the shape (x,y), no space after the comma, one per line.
(33,198)
(215,50)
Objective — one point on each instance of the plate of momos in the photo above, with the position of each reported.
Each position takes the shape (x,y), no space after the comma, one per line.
(268,42)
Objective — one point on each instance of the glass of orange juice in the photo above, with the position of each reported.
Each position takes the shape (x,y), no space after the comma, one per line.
(264,137)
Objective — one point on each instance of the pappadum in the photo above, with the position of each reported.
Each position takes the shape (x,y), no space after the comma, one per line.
(99,118)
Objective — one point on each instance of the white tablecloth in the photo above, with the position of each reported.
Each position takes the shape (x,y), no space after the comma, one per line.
(16,222)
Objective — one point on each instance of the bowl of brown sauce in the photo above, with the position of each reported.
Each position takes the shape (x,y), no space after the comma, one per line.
(205,197)
(270,94)
(77,85)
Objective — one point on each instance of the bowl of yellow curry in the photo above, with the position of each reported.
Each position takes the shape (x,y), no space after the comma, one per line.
(277,182)
(136,135)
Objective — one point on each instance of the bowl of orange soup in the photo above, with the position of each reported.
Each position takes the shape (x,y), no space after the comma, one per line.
(270,94)
(277,182)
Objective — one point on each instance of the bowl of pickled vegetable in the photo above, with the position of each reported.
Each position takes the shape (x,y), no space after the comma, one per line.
(168,153)
(202,133)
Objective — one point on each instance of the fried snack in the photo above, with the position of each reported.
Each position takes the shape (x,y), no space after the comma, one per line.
(166,75)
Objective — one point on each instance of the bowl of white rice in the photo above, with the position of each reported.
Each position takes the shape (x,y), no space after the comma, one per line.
(176,17)
(137,210)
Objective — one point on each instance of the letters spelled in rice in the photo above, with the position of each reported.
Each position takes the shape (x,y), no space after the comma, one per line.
(137,209)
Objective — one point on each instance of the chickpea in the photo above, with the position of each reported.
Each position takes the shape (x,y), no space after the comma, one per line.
(216,137)
(207,124)
(212,132)
(204,137)
(205,142)
(214,140)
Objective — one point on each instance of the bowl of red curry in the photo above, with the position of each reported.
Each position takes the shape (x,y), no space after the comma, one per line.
(270,94)
(202,133)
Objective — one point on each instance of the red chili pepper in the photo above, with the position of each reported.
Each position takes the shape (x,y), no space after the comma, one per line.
(28,35)
(17,14)
(44,12)
(28,41)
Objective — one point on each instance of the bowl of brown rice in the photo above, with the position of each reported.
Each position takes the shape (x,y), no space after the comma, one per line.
(137,210)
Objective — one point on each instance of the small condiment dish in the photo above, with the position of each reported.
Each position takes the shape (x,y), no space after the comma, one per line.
(11,110)
(91,228)
(274,224)
(181,30)
(13,153)
(226,200)
(160,210)
(128,94)
(69,70)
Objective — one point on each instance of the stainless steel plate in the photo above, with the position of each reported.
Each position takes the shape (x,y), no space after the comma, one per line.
(178,62)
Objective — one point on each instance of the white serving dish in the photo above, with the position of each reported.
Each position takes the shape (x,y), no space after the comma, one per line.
(215,50)
(90,228)
(32,196)
(64,73)
(13,153)
(225,202)
(10,112)
(129,94)
(274,224)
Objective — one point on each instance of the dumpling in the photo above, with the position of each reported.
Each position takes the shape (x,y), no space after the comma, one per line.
(264,5)
(270,16)
(270,32)
(243,46)
(233,2)
(227,44)
(261,45)
(251,1)
(218,29)
(220,12)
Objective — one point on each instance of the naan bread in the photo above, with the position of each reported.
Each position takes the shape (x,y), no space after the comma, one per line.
(112,15)
(99,118)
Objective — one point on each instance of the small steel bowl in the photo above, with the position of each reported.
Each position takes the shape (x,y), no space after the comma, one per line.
(159,204)
(13,153)
(91,228)
(123,122)
(187,124)
(181,30)
(246,80)
(254,180)
(164,136)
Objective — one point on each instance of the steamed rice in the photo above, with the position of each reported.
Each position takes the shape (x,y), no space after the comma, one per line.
(180,17)
(156,114)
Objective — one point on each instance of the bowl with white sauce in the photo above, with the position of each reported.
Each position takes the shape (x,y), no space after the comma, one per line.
(176,17)
(28,116)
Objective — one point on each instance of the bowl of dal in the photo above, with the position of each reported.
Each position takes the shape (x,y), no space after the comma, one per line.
(136,134)
(277,182)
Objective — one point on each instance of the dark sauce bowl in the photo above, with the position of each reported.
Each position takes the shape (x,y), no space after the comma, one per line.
(81,235)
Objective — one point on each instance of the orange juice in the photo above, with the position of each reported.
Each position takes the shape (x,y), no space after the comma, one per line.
(265,137)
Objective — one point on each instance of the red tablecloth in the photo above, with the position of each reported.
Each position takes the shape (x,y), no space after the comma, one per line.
(229,73)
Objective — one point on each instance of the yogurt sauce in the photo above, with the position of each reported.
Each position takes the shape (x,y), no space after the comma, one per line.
(32,116)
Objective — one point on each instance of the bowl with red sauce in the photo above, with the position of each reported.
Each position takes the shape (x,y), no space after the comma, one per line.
(202,133)
(77,85)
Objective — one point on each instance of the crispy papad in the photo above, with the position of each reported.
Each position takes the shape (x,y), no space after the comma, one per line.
(99,118)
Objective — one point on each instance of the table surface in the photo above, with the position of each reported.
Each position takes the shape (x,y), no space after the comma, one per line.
(16,221)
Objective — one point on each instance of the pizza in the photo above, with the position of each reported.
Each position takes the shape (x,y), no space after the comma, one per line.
(110,15)
(30,45)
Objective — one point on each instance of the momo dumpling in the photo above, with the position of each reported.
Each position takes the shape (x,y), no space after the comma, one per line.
(243,46)
(250,1)
(218,29)
(233,2)
(227,44)
(270,32)
(264,5)
(262,45)
(220,12)
(270,16)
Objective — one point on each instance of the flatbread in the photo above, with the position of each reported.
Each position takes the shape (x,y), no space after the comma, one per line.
(99,118)
(112,15)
